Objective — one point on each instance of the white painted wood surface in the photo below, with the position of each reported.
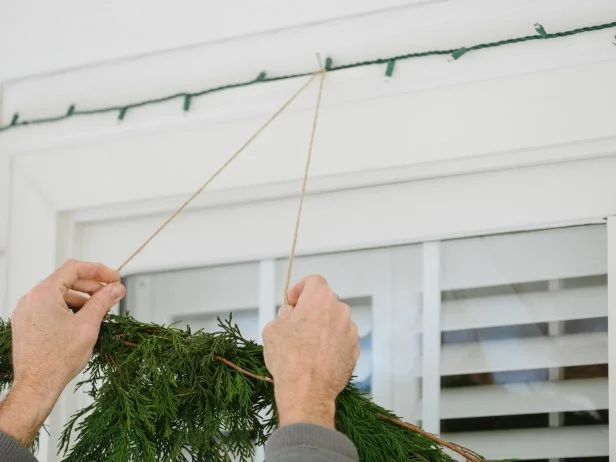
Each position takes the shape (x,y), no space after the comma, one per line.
(524,398)
(525,308)
(525,257)
(538,443)
(361,218)
(267,294)
(407,128)
(524,354)
(431,338)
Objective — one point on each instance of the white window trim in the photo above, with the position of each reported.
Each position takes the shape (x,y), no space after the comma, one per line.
(431,338)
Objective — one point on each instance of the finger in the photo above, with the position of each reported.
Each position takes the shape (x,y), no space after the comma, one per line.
(87,286)
(75,300)
(296,291)
(284,312)
(74,270)
(101,302)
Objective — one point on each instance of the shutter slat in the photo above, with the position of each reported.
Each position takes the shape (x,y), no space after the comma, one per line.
(525,398)
(517,258)
(525,308)
(536,443)
(525,353)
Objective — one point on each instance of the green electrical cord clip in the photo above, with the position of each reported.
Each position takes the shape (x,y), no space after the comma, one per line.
(122,113)
(389,71)
(541,30)
(459,53)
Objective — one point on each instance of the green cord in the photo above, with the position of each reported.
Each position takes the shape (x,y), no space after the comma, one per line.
(455,53)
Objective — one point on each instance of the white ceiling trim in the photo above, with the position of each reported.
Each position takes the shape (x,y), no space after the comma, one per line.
(445,25)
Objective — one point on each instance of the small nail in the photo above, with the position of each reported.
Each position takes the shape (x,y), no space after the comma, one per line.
(118,291)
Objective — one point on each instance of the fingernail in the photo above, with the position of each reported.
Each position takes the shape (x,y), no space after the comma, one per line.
(118,291)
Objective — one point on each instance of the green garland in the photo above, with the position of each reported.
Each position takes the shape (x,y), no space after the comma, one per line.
(164,394)
(389,62)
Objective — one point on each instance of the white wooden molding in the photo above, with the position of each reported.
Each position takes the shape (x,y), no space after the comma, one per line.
(226,197)
(482,203)
(431,338)
(31,256)
(492,125)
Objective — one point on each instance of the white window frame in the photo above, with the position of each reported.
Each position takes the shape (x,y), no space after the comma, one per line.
(572,193)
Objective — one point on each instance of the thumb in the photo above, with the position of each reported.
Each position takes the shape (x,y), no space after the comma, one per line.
(102,301)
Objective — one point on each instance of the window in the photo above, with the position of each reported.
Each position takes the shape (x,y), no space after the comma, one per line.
(524,344)
(521,370)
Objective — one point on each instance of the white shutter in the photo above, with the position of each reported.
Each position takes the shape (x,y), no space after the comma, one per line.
(524,344)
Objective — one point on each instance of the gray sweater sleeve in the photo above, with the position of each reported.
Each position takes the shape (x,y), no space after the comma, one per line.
(12,451)
(309,443)
(291,443)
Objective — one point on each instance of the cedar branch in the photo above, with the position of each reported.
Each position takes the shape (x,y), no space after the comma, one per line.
(464,452)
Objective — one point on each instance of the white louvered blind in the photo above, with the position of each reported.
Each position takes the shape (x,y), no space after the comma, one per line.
(524,344)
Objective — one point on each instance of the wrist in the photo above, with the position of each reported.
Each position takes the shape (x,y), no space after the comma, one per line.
(24,410)
(43,391)
(296,405)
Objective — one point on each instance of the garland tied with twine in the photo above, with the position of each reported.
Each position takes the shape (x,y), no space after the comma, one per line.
(165,394)
(389,62)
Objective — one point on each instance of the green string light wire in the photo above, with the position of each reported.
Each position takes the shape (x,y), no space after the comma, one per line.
(455,53)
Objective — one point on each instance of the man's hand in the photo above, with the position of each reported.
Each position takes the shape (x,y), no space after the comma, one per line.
(311,351)
(55,327)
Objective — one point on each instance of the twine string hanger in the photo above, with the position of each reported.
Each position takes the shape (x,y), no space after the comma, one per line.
(216,173)
(303,190)
(235,155)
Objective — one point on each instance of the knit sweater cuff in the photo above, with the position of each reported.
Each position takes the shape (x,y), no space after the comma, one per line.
(301,435)
(12,451)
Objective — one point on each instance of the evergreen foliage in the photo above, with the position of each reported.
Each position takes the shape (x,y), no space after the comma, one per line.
(164,394)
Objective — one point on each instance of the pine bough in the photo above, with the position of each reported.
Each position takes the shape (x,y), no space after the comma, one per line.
(165,394)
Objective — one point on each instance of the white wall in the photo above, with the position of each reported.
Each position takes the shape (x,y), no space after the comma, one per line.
(78,33)
(3,299)
(39,37)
